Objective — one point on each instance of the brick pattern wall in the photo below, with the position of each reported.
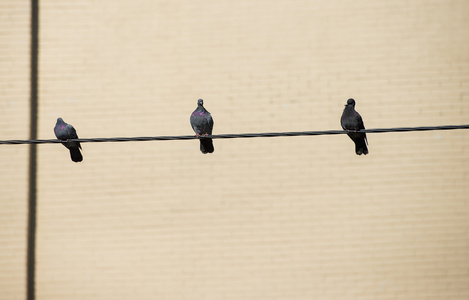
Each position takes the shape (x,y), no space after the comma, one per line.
(277,218)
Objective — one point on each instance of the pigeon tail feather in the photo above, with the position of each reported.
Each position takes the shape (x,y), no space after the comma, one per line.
(360,142)
(360,147)
(206,146)
(75,154)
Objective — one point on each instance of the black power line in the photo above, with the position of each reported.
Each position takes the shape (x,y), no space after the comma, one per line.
(233,136)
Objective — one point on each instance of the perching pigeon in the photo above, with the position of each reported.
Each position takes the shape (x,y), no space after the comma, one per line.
(64,131)
(352,122)
(202,123)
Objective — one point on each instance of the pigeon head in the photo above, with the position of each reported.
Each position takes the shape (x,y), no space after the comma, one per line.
(200,102)
(60,120)
(350,102)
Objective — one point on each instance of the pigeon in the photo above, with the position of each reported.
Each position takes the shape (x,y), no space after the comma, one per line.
(352,122)
(202,123)
(64,131)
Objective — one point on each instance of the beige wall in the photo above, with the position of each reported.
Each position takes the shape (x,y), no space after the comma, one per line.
(276,218)
(14,124)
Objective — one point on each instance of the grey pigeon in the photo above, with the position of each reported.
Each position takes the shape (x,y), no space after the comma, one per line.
(64,131)
(352,122)
(202,123)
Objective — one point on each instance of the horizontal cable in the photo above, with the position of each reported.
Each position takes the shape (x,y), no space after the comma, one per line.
(234,136)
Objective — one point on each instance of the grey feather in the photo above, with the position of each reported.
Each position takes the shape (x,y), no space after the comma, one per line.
(202,124)
(352,121)
(64,131)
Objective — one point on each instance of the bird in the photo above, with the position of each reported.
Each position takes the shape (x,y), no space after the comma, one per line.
(202,123)
(352,122)
(64,132)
